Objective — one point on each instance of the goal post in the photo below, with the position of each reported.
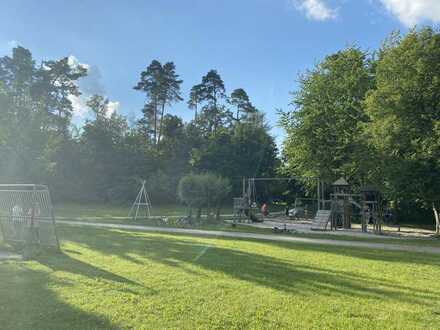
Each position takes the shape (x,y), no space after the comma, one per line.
(26,215)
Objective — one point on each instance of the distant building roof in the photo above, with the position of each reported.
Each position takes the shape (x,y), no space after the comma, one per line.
(341,182)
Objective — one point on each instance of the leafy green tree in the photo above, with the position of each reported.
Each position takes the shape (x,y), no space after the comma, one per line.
(218,190)
(404,116)
(149,83)
(170,91)
(99,106)
(203,191)
(31,94)
(244,150)
(242,103)
(325,130)
(195,97)
(191,192)
(211,92)
(56,83)
(17,74)
(102,141)
(161,85)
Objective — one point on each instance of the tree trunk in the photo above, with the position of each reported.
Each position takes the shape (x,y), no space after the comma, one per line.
(160,124)
(437,219)
(215,111)
(189,211)
(155,123)
(217,214)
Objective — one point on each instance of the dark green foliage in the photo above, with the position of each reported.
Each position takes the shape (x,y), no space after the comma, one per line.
(105,158)
(243,105)
(210,94)
(35,114)
(161,85)
(245,150)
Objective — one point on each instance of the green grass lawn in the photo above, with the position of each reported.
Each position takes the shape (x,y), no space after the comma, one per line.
(109,211)
(121,279)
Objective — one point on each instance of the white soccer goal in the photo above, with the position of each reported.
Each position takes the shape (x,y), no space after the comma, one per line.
(26,215)
(142,204)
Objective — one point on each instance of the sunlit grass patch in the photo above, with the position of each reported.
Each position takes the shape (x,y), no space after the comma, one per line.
(120,279)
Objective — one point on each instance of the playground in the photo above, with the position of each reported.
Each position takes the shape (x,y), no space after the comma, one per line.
(112,271)
(335,209)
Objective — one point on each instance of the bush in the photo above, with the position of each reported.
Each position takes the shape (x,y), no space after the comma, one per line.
(203,191)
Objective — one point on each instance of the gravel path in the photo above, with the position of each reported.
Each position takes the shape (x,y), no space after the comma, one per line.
(267,237)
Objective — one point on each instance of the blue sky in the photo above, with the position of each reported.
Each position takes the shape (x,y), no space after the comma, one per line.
(258,45)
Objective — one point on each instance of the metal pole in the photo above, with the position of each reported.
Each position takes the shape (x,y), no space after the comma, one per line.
(318,193)
(134,203)
(244,187)
(52,215)
(249,192)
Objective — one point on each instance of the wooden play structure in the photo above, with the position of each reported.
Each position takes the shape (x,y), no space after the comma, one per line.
(343,202)
(336,212)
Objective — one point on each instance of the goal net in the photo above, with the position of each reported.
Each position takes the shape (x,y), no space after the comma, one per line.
(26,215)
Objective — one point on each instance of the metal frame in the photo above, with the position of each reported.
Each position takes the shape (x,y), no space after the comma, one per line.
(319,186)
(33,189)
(249,191)
(142,200)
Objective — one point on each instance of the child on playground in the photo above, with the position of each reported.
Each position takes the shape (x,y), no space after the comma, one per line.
(264,209)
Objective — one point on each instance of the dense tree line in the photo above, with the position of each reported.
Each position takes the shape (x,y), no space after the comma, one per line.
(105,158)
(373,118)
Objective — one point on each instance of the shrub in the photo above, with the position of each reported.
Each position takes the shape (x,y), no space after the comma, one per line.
(203,191)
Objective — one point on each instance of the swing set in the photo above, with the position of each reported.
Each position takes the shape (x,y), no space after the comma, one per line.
(247,207)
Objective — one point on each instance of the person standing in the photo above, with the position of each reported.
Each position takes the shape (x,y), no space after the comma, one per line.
(264,209)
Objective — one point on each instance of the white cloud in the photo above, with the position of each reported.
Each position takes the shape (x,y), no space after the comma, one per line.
(315,9)
(6,46)
(79,105)
(411,12)
(81,110)
(12,44)
(74,63)
(92,83)
(113,106)
(88,86)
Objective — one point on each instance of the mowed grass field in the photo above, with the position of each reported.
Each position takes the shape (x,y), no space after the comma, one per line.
(109,211)
(122,279)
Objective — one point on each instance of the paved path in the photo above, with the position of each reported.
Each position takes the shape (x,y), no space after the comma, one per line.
(267,237)
(9,256)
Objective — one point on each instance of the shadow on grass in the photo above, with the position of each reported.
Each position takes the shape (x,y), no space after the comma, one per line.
(27,302)
(260,269)
(64,263)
